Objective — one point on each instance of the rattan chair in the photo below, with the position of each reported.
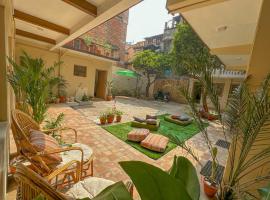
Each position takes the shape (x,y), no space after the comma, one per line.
(21,126)
(30,185)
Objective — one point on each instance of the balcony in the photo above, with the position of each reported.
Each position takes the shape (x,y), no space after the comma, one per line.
(107,51)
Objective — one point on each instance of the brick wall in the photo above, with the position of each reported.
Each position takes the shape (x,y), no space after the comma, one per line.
(114,32)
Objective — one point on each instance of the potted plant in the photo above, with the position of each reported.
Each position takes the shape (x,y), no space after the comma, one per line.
(118,114)
(109,86)
(103,118)
(62,98)
(110,116)
(209,183)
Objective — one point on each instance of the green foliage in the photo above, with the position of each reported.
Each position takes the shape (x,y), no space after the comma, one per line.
(265,192)
(109,86)
(151,63)
(192,56)
(154,183)
(85,97)
(183,170)
(103,115)
(32,83)
(118,112)
(117,191)
(190,52)
(88,40)
(54,123)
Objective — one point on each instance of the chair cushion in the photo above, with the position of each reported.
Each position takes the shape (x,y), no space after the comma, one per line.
(45,143)
(68,156)
(89,187)
(137,135)
(155,142)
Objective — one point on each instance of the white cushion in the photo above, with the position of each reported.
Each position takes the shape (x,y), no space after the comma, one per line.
(76,154)
(89,187)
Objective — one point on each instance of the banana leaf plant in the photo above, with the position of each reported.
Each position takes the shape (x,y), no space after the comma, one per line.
(180,182)
(265,192)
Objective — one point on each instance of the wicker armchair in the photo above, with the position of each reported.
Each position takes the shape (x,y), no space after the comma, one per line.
(21,126)
(31,185)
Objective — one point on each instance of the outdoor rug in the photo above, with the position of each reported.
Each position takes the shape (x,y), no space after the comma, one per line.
(182,132)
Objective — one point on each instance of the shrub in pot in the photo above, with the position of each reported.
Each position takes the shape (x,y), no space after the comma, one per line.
(118,114)
(103,118)
(110,116)
(109,86)
(209,183)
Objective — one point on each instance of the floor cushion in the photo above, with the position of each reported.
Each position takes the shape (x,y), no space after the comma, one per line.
(155,142)
(151,121)
(89,187)
(177,121)
(137,135)
(45,143)
(145,125)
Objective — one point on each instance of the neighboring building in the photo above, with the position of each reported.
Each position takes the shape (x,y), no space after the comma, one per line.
(153,43)
(159,43)
(169,30)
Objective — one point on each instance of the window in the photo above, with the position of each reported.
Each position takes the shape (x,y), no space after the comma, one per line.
(80,70)
(77,44)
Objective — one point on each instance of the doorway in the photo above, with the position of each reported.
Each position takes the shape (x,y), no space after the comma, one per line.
(100,84)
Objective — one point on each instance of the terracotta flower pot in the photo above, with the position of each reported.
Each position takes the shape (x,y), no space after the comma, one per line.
(118,118)
(62,99)
(209,189)
(109,97)
(110,119)
(102,121)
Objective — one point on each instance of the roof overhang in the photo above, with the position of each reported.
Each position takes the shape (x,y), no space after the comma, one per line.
(227,27)
(56,22)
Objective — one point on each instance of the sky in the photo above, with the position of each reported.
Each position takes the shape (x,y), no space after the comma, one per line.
(147,19)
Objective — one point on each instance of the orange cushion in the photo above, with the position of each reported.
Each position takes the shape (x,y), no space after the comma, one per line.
(155,142)
(45,143)
(137,135)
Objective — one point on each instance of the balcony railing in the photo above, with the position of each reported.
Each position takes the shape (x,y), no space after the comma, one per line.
(95,49)
(229,74)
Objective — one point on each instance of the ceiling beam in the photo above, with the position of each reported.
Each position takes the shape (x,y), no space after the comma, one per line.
(84,6)
(174,6)
(35,37)
(40,22)
(233,50)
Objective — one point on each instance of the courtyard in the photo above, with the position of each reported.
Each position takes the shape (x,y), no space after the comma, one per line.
(109,150)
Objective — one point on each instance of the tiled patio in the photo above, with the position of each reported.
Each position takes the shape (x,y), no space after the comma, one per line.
(108,150)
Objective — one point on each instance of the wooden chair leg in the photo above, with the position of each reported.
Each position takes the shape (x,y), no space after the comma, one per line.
(92,167)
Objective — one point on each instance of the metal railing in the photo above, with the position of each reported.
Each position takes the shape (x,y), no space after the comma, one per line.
(4,149)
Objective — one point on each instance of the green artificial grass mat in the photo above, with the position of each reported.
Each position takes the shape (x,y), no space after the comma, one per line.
(182,132)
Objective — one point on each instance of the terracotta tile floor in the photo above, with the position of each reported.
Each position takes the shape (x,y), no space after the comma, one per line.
(108,150)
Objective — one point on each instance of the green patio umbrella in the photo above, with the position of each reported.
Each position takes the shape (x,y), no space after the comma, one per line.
(127,73)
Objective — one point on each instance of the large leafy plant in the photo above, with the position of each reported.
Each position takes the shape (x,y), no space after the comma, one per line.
(180,182)
(191,56)
(246,119)
(32,83)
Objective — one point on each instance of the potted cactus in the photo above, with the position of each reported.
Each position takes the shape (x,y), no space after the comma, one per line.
(118,114)
(103,118)
(209,183)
